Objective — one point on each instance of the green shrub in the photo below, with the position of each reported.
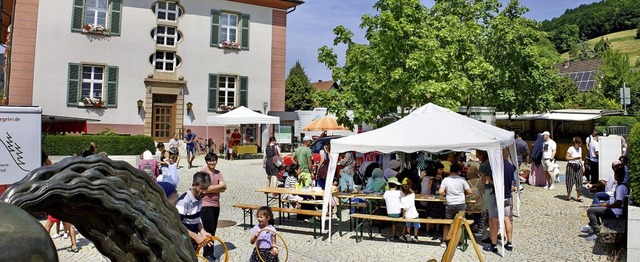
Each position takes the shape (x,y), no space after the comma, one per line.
(634,163)
(622,121)
(602,121)
(61,145)
(107,131)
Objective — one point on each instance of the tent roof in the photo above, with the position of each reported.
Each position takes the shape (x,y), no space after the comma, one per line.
(242,115)
(428,128)
(568,116)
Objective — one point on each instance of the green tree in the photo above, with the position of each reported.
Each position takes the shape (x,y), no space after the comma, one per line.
(614,72)
(567,96)
(298,90)
(581,51)
(565,37)
(602,46)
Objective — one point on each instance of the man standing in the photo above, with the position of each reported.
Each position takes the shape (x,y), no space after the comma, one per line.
(189,139)
(303,156)
(548,157)
(211,200)
(522,149)
(594,154)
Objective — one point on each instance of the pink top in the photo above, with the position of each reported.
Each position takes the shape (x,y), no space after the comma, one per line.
(212,199)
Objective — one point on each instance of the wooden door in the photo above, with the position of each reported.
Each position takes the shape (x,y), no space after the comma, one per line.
(163,121)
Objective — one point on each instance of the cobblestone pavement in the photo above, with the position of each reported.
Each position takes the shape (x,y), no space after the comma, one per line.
(548,228)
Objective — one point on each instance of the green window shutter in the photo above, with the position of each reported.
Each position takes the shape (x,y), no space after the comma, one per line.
(244,41)
(116,13)
(73,84)
(112,86)
(215,28)
(244,90)
(77,17)
(212,104)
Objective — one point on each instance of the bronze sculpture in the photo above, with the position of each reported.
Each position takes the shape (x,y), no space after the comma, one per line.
(27,242)
(116,206)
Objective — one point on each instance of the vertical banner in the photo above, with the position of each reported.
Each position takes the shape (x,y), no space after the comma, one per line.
(20,142)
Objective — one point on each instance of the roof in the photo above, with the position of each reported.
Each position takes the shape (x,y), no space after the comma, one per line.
(279,4)
(579,66)
(241,115)
(285,115)
(325,85)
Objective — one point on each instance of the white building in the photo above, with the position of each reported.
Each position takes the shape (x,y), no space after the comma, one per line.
(149,67)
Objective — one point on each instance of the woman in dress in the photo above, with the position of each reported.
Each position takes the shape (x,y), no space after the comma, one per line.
(270,168)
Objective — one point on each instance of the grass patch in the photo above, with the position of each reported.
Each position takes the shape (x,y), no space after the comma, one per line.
(623,41)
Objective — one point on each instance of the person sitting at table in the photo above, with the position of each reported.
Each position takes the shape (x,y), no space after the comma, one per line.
(291,182)
(394,206)
(435,174)
(304,180)
(376,183)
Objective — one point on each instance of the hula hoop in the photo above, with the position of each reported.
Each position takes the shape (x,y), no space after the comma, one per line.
(212,239)
(286,248)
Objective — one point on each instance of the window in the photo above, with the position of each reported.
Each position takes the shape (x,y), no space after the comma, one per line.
(169,11)
(166,35)
(96,16)
(226,91)
(165,61)
(229,30)
(229,27)
(92,82)
(94,85)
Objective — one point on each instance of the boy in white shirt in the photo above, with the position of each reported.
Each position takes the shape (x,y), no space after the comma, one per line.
(409,211)
(394,206)
(454,188)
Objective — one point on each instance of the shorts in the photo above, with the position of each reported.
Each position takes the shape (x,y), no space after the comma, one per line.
(191,149)
(53,219)
(452,210)
(493,208)
(415,224)
(548,165)
(397,215)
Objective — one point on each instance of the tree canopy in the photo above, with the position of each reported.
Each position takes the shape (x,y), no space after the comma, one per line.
(298,90)
(458,52)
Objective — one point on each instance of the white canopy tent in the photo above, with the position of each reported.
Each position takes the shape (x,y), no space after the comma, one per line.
(241,116)
(433,129)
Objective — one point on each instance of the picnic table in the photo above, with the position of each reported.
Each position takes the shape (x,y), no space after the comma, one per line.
(275,194)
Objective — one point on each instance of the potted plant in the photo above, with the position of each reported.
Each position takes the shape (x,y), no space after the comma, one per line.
(92,102)
(96,29)
(229,44)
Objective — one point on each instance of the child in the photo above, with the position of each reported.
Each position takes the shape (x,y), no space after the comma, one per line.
(189,206)
(409,211)
(392,200)
(304,178)
(290,182)
(171,172)
(266,239)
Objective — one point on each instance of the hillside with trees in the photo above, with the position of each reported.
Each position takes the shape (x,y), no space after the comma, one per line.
(591,21)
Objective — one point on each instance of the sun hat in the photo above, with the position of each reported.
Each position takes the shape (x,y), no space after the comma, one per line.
(394,180)
(394,164)
(147,155)
(546,133)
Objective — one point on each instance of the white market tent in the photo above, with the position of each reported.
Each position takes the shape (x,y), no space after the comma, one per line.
(433,129)
(240,116)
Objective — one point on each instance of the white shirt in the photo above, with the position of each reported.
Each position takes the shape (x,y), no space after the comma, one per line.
(455,186)
(547,149)
(170,176)
(409,204)
(573,153)
(392,200)
(593,149)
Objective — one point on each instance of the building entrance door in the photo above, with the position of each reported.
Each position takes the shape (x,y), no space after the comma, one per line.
(164,117)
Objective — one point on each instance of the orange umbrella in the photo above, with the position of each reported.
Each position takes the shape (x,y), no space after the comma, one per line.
(324,123)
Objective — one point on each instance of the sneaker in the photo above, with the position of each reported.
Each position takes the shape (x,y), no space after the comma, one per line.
(491,248)
(585,229)
(415,239)
(443,244)
(477,234)
(486,240)
(66,235)
(58,235)
(402,238)
(508,246)
(546,187)
(592,237)
(552,187)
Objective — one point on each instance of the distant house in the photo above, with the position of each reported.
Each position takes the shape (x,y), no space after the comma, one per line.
(325,85)
(582,72)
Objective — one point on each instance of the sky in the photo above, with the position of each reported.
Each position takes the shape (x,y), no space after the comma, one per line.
(311,26)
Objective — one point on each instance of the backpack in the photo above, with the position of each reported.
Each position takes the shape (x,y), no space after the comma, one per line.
(147,168)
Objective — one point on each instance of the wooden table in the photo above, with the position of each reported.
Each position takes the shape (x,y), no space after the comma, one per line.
(245,149)
(283,190)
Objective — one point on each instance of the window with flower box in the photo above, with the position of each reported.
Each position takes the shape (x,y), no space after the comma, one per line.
(227,92)
(229,30)
(165,61)
(92,85)
(168,11)
(166,35)
(96,16)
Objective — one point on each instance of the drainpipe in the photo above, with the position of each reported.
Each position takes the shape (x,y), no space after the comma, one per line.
(290,11)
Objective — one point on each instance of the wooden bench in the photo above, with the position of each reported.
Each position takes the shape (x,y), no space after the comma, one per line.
(361,217)
(247,211)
